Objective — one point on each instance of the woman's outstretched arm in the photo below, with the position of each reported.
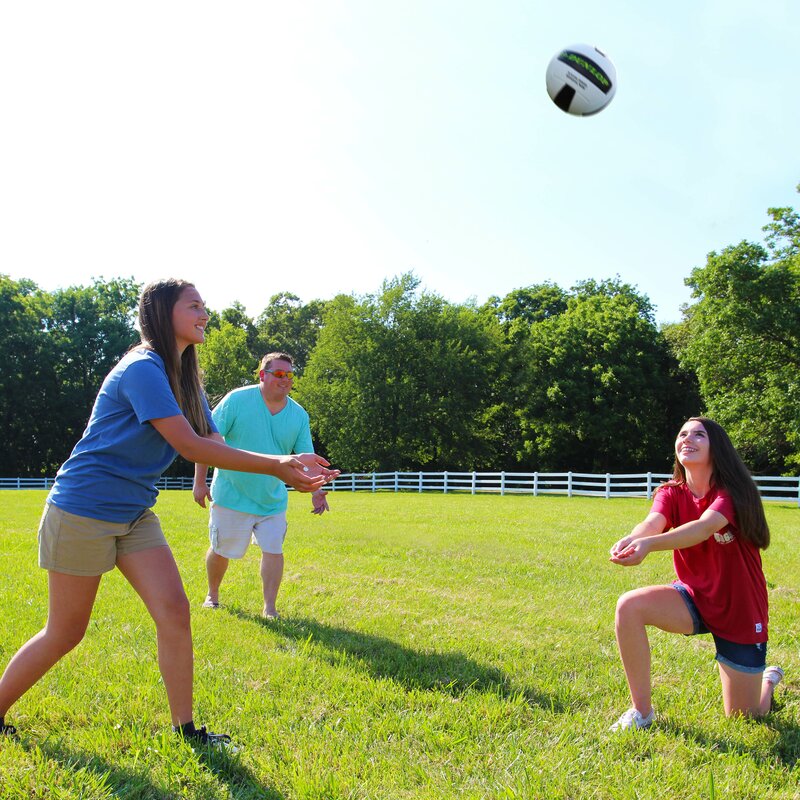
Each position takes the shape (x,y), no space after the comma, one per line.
(297,471)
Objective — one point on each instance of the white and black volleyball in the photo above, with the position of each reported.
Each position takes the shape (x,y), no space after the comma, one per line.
(581,80)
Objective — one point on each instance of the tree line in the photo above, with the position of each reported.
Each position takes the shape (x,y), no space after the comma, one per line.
(545,378)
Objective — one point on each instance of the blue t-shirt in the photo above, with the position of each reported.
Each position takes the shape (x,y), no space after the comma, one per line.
(244,420)
(113,469)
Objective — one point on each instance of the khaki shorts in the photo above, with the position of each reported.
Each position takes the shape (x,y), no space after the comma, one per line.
(230,531)
(84,546)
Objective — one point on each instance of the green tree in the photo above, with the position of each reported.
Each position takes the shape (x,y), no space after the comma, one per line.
(521,308)
(237,316)
(226,360)
(26,379)
(399,380)
(515,314)
(742,337)
(597,393)
(89,328)
(57,349)
(290,326)
(783,233)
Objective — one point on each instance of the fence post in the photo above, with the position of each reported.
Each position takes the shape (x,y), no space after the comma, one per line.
(569,484)
(608,485)
(397,482)
(502,483)
(373,482)
(649,485)
(353,482)
(535,484)
(473,483)
(420,482)
(445,481)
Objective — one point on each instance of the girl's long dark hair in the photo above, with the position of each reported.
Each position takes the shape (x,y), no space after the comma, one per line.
(728,472)
(155,320)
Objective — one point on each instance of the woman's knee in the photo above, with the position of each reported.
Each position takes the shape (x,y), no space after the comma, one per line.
(64,638)
(173,612)
(742,692)
(627,607)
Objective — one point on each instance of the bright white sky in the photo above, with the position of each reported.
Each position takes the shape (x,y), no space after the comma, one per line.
(322,146)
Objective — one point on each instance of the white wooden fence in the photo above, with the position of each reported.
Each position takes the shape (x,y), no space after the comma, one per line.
(572,484)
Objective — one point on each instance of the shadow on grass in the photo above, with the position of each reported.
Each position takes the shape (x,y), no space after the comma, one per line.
(789,745)
(241,783)
(451,673)
(787,750)
(136,784)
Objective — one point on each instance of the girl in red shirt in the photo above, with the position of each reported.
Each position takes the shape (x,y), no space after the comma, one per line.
(711,516)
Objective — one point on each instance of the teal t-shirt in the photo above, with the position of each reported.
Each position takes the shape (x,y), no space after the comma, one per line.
(243,419)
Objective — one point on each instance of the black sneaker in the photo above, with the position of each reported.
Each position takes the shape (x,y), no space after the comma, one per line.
(200,736)
(6,730)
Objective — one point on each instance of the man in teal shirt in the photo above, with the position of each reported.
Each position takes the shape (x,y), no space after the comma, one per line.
(264,419)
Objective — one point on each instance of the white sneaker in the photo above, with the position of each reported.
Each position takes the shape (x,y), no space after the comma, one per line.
(773,674)
(633,720)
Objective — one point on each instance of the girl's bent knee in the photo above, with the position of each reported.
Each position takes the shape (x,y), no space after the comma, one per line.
(626,606)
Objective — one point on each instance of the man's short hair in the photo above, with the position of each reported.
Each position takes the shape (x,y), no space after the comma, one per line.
(266,362)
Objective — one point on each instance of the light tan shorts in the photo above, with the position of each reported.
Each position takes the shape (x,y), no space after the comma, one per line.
(84,546)
(231,531)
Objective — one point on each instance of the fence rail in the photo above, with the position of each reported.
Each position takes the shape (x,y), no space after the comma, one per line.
(572,484)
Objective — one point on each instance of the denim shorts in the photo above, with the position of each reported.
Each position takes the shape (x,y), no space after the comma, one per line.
(751,658)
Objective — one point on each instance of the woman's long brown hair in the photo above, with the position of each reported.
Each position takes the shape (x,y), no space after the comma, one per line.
(155,321)
(729,472)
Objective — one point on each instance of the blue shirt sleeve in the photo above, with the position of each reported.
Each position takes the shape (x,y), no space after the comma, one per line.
(146,388)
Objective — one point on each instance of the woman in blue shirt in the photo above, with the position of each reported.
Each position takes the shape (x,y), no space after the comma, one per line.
(150,407)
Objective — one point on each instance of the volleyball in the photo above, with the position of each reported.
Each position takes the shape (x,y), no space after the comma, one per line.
(581,80)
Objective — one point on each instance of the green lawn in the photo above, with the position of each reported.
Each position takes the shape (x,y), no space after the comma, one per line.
(432,646)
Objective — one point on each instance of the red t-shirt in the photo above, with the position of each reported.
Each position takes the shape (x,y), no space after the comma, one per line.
(723,574)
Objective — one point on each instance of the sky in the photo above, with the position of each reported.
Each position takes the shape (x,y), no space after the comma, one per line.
(319,147)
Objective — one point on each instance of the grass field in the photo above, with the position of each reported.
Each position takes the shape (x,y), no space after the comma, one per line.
(432,646)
